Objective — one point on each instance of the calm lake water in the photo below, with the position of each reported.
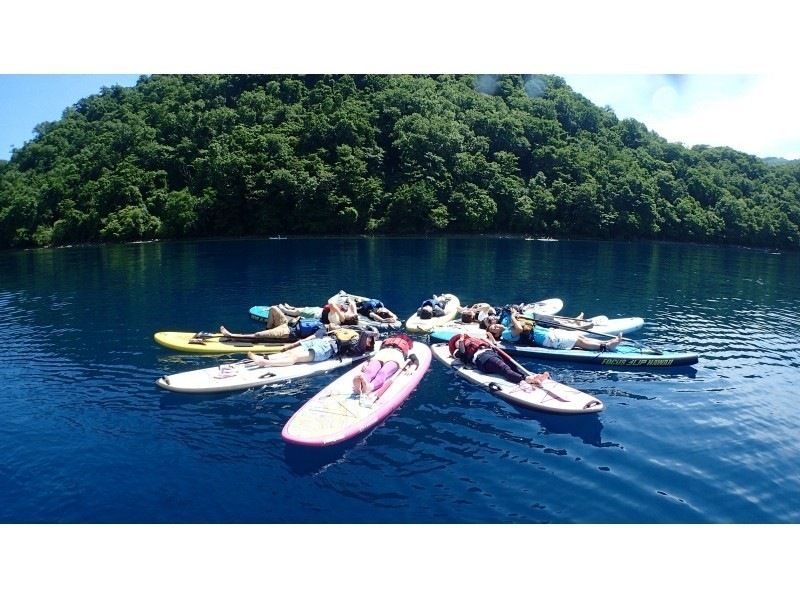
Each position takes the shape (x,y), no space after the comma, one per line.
(86,435)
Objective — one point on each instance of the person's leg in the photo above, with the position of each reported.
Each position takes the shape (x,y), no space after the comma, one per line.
(289,310)
(492,363)
(371,370)
(290,357)
(362,383)
(386,372)
(279,331)
(276,317)
(592,344)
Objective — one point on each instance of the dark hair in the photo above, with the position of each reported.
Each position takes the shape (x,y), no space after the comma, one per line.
(488,321)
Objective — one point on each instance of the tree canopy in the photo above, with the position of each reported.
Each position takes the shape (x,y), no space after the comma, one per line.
(181,156)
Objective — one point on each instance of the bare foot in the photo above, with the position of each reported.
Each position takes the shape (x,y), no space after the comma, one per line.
(537,379)
(614,342)
(224,331)
(257,359)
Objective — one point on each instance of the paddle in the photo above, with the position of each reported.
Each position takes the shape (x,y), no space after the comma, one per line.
(263,340)
(554,322)
(517,365)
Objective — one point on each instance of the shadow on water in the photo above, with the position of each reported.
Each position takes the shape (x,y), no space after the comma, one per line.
(311,460)
(170,400)
(588,428)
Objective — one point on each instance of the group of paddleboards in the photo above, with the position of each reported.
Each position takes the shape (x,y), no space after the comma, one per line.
(339,411)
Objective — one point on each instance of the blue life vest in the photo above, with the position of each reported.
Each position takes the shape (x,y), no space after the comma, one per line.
(307,327)
(369,305)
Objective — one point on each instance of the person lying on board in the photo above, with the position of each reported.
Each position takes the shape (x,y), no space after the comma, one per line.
(484,356)
(343,314)
(304,351)
(522,331)
(382,366)
(432,308)
(374,309)
(477,312)
(279,326)
(342,342)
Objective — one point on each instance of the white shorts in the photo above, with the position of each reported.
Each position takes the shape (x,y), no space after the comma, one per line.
(554,338)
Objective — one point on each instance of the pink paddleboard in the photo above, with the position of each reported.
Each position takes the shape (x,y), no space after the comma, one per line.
(337,413)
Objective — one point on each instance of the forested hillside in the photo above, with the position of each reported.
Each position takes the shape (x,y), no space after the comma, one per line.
(218,155)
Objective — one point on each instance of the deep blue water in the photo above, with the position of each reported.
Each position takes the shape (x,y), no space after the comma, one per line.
(86,436)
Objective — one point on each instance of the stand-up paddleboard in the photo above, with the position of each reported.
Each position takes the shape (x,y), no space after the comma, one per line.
(416,324)
(600,325)
(210,343)
(550,396)
(364,320)
(337,413)
(628,353)
(547,307)
(245,374)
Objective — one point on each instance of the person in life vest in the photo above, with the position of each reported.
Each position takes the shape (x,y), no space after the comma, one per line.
(317,348)
(374,309)
(390,357)
(484,356)
(524,332)
(280,327)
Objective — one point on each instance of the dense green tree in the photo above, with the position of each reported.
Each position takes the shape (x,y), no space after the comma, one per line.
(197,155)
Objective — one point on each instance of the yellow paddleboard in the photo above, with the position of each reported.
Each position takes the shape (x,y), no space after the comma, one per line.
(199,342)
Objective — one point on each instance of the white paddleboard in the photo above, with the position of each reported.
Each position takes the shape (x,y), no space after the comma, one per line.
(551,396)
(243,374)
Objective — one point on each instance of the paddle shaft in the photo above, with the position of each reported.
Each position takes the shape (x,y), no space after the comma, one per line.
(263,340)
(528,373)
(514,362)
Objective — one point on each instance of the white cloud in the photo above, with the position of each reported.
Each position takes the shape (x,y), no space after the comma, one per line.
(755,114)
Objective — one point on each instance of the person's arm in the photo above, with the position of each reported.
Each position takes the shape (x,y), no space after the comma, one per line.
(517,326)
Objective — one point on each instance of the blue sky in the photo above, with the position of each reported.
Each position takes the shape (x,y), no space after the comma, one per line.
(750,113)
(27,100)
